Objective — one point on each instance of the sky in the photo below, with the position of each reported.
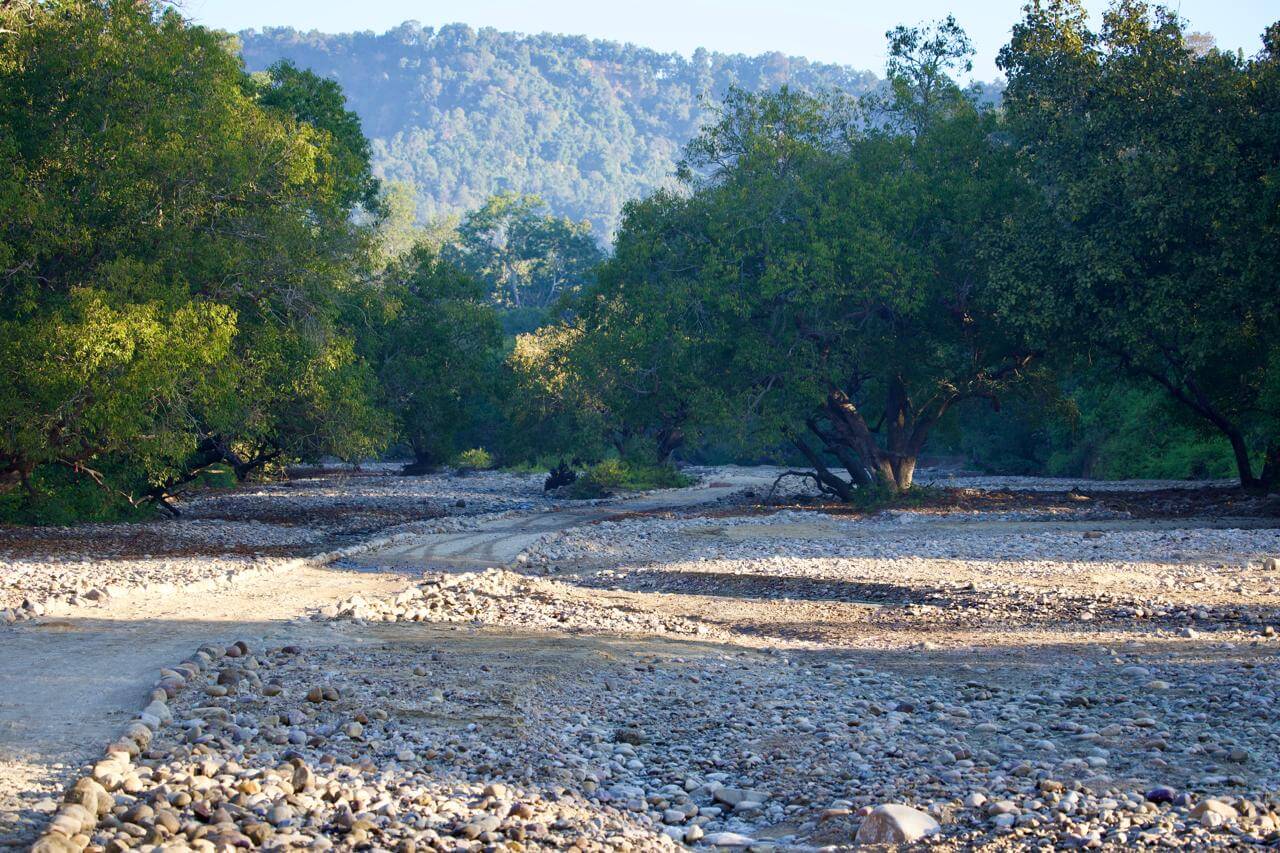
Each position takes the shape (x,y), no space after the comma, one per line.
(849,32)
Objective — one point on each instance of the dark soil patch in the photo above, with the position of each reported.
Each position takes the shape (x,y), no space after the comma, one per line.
(1209,502)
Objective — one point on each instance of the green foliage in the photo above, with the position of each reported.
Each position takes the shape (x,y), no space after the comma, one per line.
(822,264)
(550,409)
(609,476)
(59,496)
(527,258)
(465,114)
(1156,247)
(199,272)
(321,103)
(1088,424)
(475,459)
(435,345)
(1124,430)
(177,246)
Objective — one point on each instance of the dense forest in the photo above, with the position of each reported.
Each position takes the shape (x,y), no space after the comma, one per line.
(202,278)
(463,114)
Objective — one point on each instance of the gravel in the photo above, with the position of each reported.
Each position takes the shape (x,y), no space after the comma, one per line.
(1012,679)
(418,743)
(257,529)
(990,572)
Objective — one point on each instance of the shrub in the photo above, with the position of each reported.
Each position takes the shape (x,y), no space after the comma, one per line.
(475,459)
(610,475)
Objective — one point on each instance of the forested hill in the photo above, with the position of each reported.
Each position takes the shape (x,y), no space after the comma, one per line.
(586,124)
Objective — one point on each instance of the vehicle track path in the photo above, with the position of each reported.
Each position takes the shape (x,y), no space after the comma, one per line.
(68,683)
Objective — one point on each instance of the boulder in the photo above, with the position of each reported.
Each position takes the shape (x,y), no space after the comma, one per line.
(894,823)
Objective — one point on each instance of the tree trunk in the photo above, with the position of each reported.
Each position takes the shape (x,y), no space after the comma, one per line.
(827,481)
(1241,452)
(1188,392)
(1270,479)
(904,472)
(669,438)
(906,429)
(14,474)
(852,432)
(244,467)
(423,463)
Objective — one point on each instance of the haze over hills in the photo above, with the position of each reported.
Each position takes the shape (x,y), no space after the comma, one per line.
(586,124)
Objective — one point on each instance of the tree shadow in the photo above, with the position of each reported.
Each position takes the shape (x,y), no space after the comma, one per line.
(503,681)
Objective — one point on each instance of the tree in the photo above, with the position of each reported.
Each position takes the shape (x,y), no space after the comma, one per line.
(621,363)
(436,347)
(320,103)
(1155,247)
(921,61)
(527,257)
(822,281)
(172,259)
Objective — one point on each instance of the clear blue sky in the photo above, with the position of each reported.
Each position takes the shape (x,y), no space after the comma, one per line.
(850,32)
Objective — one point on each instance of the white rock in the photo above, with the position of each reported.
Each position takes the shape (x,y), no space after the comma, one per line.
(728,839)
(894,823)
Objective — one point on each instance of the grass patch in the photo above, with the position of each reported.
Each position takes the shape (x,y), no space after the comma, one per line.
(541,465)
(876,498)
(475,459)
(613,475)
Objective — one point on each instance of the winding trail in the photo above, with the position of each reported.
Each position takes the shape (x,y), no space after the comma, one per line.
(68,683)
(499,542)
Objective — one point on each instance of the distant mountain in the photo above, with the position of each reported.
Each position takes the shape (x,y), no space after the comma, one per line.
(586,124)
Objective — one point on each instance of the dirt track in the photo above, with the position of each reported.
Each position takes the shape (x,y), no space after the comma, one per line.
(68,682)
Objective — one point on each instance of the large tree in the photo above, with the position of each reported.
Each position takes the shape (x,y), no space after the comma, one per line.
(822,282)
(435,343)
(176,244)
(528,257)
(1156,246)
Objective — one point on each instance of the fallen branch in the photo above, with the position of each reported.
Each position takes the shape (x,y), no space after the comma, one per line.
(810,475)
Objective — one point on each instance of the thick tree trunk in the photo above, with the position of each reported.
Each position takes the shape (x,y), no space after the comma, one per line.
(852,441)
(669,438)
(1240,450)
(423,463)
(244,467)
(904,472)
(891,467)
(827,481)
(853,435)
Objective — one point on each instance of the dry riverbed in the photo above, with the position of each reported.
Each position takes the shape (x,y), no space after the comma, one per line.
(260,529)
(1002,669)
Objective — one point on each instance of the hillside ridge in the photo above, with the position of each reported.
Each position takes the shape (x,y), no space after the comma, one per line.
(586,123)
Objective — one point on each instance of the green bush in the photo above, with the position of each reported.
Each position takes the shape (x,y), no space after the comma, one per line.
(612,475)
(476,459)
(536,465)
(59,497)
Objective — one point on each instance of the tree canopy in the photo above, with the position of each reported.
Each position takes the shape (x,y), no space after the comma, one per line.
(1155,247)
(183,250)
(819,281)
(199,268)
(526,256)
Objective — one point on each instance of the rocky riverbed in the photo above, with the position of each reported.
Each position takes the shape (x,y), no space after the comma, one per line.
(260,528)
(944,578)
(417,739)
(1040,674)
